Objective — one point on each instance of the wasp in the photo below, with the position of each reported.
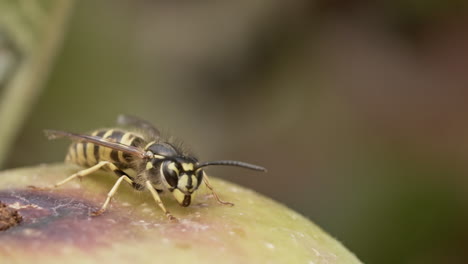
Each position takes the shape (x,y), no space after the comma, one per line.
(139,156)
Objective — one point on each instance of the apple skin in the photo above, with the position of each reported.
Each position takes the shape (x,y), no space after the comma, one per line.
(57,226)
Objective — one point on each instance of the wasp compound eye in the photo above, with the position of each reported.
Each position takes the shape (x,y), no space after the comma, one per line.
(199,175)
(170,173)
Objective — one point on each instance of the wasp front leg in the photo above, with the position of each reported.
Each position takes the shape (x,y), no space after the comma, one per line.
(208,184)
(156,197)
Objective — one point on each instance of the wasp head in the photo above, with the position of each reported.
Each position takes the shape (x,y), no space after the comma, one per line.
(182,175)
(182,178)
(179,174)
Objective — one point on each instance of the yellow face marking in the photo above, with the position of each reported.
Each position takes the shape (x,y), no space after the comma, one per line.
(158,157)
(194,182)
(187,166)
(173,167)
(149,165)
(179,196)
(182,183)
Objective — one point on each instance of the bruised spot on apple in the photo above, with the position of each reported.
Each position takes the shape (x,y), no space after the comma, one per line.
(53,218)
(9,217)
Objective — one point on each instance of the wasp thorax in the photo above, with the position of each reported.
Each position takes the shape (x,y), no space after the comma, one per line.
(182,178)
(161,149)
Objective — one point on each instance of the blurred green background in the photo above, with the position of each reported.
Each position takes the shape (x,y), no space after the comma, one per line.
(357,108)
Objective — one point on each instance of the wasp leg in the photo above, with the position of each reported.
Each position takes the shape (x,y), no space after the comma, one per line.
(207,183)
(86,172)
(80,174)
(158,201)
(111,194)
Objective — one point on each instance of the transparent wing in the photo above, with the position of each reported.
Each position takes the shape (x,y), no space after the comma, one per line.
(53,134)
(128,120)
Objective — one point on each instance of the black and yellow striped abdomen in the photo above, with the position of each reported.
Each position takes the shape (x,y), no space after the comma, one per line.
(87,154)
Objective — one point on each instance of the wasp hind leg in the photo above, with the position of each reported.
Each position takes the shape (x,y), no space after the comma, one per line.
(80,174)
(86,172)
(208,184)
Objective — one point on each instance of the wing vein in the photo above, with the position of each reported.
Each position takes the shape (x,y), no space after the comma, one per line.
(54,134)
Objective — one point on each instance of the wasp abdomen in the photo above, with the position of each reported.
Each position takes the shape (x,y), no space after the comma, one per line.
(87,154)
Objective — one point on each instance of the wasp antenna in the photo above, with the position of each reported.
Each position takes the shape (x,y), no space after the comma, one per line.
(233,163)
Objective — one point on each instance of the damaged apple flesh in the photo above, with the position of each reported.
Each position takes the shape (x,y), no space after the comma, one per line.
(9,217)
(56,225)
